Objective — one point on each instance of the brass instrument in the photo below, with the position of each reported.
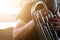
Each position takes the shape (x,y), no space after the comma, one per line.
(41,14)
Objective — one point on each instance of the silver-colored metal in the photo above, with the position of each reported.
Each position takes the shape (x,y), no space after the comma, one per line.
(42,24)
(54,32)
(39,27)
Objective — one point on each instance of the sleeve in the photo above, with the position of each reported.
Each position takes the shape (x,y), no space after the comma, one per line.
(25,13)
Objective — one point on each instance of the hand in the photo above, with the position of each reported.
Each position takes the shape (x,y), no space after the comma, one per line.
(55,23)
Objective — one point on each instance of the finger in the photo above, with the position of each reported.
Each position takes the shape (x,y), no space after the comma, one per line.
(54,19)
(58,19)
(54,23)
(55,28)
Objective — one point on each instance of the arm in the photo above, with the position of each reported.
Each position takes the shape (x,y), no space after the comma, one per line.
(20,23)
(24,30)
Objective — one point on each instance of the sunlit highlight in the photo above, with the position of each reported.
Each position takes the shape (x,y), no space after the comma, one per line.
(8,7)
(4,25)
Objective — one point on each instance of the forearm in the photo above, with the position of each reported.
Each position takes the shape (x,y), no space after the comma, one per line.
(19,23)
(23,31)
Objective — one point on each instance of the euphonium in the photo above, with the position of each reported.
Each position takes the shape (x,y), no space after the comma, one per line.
(41,14)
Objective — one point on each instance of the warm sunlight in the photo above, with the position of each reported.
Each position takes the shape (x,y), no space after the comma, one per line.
(8,11)
(9,6)
(4,25)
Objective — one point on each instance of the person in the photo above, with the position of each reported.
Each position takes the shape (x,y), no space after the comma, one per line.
(25,29)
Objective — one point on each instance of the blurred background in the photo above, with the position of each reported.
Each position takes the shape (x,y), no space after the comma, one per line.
(8,12)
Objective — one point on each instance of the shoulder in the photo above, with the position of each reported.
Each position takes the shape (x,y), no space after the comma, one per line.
(25,13)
